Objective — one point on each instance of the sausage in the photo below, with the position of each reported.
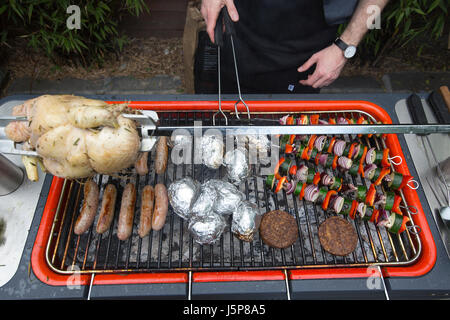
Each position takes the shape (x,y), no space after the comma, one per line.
(126,215)
(141,164)
(161,207)
(107,209)
(145,221)
(89,209)
(162,154)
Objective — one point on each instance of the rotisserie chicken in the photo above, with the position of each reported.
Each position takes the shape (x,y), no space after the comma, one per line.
(77,137)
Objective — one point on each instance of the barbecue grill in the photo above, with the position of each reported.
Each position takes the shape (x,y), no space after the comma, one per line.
(171,256)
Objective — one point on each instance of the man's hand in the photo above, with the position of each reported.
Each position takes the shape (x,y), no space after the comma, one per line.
(329,63)
(210,11)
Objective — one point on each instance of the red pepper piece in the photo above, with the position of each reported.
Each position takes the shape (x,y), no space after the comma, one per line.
(316,179)
(277,168)
(330,147)
(303,119)
(385,161)
(291,138)
(305,154)
(290,120)
(302,192)
(311,141)
(383,173)
(316,159)
(352,212)
(293,170)
(404,181)
(326,201)
(314,119)
(280,184)
(370,197)
(361,163)
(396,205)
(403,227)
(374,216)
(352,148)
(335,162)
(288,148)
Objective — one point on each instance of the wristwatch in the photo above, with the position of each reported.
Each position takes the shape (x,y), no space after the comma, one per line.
(349,50)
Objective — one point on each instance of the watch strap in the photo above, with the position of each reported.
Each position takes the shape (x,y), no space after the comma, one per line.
(341,44)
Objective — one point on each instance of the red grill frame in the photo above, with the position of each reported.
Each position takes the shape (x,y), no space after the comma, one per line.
(423,265)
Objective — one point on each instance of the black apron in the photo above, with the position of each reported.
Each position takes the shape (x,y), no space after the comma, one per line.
(274,38)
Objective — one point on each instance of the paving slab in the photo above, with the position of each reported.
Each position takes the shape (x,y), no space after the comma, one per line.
(355,84)
(166,84)
(417,81)
(162,84)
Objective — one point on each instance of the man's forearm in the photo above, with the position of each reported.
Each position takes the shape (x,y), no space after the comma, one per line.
(357,26)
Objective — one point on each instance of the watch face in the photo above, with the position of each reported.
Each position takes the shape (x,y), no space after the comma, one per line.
(350,52)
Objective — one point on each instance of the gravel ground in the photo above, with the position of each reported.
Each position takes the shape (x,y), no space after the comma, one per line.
(141,58)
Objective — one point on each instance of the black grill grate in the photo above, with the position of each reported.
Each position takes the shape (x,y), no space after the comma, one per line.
(172,248)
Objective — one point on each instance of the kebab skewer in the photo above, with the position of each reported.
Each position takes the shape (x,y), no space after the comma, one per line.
(390,216)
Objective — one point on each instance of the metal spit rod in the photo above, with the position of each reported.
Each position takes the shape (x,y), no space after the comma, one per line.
(318,129)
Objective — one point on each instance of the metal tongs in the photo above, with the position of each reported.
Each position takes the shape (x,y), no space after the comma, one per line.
(224,22)
(147,120)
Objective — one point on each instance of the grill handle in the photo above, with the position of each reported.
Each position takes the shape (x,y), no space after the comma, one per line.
(438,105)
(416,111)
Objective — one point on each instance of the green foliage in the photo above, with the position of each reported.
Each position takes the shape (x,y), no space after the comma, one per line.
(44,24)
(404,21)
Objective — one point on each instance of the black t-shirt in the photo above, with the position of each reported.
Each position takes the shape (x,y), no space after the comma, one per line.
(275,37)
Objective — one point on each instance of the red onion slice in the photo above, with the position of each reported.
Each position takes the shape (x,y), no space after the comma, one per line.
(380,199)
(383,218)
(323,159)
(370,156)
(361,209)
(290,187)
(299,121)
(311,193)
(323,122)
(339,147)
(327,180)
(338,203)
(320,142)
(356,150)
(368,169)
(302,173)
(348,189)
(302,137)
(388,177)
(345,162)
(283,120)
(342,120)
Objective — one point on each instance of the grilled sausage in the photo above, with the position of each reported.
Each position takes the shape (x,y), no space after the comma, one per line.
(107,209)
(162,154)
(161,207)
(141,164)
(145,221)
(126,215)
(89,208)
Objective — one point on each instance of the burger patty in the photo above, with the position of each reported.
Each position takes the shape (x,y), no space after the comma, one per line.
(278,229)
(337,236)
